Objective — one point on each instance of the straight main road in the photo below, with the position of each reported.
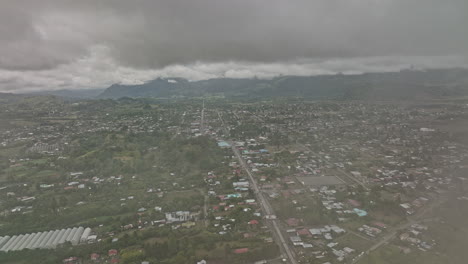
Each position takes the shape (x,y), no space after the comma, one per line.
(264,203)
(202,119)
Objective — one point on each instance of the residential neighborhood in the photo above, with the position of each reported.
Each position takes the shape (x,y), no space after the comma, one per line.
(307,182)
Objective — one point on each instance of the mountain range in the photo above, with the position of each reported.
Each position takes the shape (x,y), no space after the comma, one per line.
(403,85)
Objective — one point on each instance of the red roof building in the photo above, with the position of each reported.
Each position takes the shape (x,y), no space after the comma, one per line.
(71,260)
(113,252)
(292,222)
(94,256)
(303,232)
(354,203)
(379,224)
(253,222)
(241,250)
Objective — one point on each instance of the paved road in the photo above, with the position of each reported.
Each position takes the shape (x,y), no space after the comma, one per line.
(202,121)
(359,235)
(393,231)
(264,204)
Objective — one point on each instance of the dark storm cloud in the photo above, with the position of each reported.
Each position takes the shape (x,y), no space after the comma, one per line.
(149,34)
(64,43)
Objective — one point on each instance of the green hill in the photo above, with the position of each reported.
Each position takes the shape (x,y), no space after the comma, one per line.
(406,85)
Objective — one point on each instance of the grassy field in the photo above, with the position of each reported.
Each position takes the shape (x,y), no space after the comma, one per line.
(355,242)
(391,254)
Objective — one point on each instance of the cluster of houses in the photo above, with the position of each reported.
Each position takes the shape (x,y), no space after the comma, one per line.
(333,147)
(414,236)
(370,231)
(233,197)
(113,257)
(406,160)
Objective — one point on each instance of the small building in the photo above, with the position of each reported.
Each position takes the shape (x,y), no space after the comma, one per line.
(178,216)
(360,212)
(241,250)
(94,256)
(292,222)
(188,224)
(303,232)
(72,260)
(253,222)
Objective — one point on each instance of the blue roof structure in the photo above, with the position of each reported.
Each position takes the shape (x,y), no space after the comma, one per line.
(223,144)
(360,212)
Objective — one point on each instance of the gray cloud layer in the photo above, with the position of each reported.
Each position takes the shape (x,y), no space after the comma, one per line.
(138,39)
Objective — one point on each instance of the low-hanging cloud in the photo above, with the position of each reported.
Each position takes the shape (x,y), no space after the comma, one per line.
(56,43)
(99,69)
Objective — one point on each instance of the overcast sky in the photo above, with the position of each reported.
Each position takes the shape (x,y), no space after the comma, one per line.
(62,44)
